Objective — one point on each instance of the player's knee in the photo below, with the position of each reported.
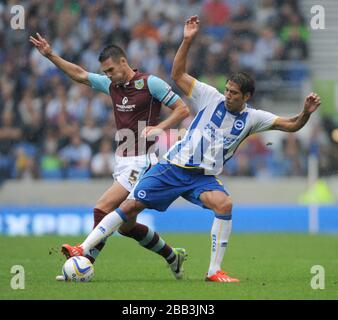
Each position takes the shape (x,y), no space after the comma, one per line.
(131,208)
(106,205)
(223,207)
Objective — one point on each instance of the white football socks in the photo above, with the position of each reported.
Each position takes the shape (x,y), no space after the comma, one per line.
(220,233)
(110,223)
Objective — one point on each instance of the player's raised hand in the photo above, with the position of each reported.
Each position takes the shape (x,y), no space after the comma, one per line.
(191,27)
(312,102)
(41,44)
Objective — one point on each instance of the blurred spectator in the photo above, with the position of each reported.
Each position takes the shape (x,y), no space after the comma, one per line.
(293,156)
(284,16)
(294,23)
(169,31)
(235,4)
(252,159)
(10,132)
(89,57)
(216,16)
(295,51)
(216,12)
(116,29)
(30,108)
(145,28)
(102,164)
(248,57)
(243,167)
(76,158)
(31,114)
(268,46)
(266,14)
(25,164)
(295,47)
(143,53)
(321,147)
(7,94)
(242,22)
(91,133)
(57,105)
(134,16)
(50,164)
(10,135)
(76,102)
(192,7)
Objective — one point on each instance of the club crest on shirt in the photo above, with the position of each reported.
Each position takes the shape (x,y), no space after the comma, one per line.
(239,124)
(142,194)
(139,84)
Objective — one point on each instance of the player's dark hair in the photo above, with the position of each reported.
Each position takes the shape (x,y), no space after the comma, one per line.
(112,51)
(245,82)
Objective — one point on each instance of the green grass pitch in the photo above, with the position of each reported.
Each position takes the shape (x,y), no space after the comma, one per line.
(270,266)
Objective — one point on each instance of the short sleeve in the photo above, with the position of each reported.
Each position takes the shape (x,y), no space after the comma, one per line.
(263,120)
(203,94)
(99,82)
(161,91)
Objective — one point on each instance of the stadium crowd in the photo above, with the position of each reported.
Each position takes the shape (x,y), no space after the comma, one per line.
(51,127)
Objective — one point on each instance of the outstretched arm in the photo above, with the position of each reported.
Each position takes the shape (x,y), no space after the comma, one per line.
(182,79)
(311,103)
(74,71)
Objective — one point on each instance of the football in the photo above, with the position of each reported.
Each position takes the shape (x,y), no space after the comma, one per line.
(78,269)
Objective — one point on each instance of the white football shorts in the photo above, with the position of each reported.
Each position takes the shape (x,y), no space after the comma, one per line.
(128,170)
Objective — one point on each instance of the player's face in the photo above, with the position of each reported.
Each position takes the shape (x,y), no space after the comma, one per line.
(235,97)
(114,70)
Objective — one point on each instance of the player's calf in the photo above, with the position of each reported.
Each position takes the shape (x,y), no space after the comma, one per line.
(94,252)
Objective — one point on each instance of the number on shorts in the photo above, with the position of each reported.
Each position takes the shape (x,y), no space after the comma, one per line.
(133,176)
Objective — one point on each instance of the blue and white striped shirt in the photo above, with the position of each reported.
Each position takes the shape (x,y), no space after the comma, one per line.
(215,133)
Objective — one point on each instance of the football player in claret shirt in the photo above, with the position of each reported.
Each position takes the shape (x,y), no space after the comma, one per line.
(190,168)
(137,98)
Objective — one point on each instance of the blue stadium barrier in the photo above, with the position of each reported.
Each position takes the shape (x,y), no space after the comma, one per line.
(77,220)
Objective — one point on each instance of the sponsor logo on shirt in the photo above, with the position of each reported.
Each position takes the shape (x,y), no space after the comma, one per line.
(124,107)
(125,100)
(218,136)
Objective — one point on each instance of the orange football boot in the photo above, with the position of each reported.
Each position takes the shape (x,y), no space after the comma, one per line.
(70,251)
(220,276)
